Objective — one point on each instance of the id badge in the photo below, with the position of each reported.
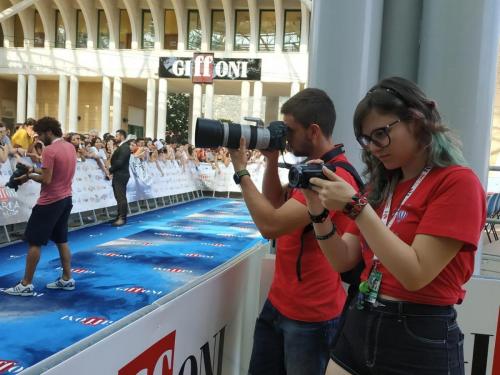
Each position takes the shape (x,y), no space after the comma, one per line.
(374,281)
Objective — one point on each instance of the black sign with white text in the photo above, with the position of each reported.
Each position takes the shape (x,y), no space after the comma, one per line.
(203,68)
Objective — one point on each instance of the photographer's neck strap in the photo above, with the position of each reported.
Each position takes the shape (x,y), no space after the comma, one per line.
(333,153)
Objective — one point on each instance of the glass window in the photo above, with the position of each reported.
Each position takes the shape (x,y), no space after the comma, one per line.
(81,30)
(194,30)
(125,30)
(171,33)
(102,30)
(291,39)
(267,30)
(18,32)
(39,34)
(60,31)
(242,31)
(218,31)
(148,30)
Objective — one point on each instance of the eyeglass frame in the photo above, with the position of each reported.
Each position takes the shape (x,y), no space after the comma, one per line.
(385,129)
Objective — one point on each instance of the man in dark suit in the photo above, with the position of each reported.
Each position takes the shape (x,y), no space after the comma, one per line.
(120,171)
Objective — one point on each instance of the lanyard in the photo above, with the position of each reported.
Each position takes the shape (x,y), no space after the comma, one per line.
(387,208)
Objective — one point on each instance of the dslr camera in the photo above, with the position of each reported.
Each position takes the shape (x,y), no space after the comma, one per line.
(21,170)
(300,174)
(213,133)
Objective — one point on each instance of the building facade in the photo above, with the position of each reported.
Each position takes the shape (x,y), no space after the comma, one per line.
(95,64)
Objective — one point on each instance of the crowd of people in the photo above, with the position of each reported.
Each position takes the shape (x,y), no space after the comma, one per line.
(24,142)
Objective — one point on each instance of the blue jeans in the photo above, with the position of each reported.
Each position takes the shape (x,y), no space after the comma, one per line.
(285,346)
(400,338)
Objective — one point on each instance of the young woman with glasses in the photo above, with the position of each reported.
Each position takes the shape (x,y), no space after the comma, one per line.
(417,230)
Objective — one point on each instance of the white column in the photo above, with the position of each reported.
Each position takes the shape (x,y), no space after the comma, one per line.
(62,111)
(304,27)
(150,108)
(356,59)
(245,99)
(257,99)
(162,108)
(31,110)
(197,91)
(295,88)
(464,94)
(21,98)
(209,101)
(117,104)
(105,102)
(73,104)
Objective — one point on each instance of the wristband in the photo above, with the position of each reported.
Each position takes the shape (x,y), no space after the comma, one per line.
(319,218)
(353,208)
(328,235)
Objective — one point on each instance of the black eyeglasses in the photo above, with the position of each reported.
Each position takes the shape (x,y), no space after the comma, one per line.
(379,137)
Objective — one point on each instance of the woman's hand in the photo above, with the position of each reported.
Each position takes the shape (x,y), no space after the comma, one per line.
(333,193)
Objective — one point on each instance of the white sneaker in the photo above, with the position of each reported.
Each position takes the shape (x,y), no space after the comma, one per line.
(60,283)
(21,290)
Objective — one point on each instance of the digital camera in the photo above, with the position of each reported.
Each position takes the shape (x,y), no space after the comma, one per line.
(300,174)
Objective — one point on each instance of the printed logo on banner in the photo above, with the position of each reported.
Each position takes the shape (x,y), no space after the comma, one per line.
(157,359)
(172,270)
(9,367)
(114,255)
(78,270)
(8,202)
(139,290)
(87,321)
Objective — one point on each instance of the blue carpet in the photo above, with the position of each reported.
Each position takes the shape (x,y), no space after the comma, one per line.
(117,271)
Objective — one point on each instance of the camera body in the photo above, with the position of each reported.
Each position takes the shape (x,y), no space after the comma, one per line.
(300,174)
(213,133)
(21,169)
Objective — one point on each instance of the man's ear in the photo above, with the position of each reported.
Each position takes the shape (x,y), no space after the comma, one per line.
(315,130)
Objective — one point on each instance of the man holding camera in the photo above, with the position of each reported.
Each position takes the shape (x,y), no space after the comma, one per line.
(296,327)
(49,217)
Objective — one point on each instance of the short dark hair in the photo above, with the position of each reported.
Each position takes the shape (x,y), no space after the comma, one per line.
(30,122)
(312,106)
(46,124)
(122,132)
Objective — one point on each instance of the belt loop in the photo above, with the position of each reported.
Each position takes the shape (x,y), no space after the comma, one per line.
(400,308)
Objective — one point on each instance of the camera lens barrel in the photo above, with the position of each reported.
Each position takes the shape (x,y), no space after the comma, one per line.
(213,133)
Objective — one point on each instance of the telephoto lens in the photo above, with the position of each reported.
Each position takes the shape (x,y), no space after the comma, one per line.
(213,133)
(300,174)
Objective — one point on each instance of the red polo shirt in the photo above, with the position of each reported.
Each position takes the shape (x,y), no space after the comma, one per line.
(320,295)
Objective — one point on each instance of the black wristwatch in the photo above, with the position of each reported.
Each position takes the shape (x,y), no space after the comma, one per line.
(238,175)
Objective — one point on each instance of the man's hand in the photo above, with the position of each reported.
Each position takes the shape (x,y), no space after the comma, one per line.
(271,155)
(239,156)
(22,179)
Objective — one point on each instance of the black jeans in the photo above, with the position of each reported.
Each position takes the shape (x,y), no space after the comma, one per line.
(400,338)
(119,185)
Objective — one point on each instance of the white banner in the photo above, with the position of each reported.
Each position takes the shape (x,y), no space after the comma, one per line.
(148,180)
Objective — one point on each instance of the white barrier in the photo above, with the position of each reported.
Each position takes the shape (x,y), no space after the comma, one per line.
(148,180)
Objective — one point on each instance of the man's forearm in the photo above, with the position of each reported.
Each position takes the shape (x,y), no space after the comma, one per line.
(260,209)
(271,184)
(36,177)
